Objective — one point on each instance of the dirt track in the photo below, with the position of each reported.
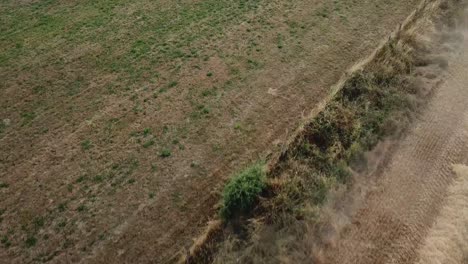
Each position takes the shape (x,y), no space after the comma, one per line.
(414,211)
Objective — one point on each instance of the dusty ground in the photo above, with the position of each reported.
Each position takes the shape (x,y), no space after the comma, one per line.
(415,210)
(120,121)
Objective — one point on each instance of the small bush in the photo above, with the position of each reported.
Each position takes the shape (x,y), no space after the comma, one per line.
(165,153)
(87,144)
(242,191)
(30,241)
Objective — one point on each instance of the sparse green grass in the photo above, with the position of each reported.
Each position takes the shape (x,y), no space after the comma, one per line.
(81,208)
(28,117)
(146,132)
(39,222)
(5,241)
(82,178)
(62,224)
(86,144)
(242,191)
(172,84)
(148,143)
(62,207)
(131,181)
(165,153)
(3,127)
(98,178)
(30,241)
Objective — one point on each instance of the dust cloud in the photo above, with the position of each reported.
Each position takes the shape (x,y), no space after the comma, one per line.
(447,242)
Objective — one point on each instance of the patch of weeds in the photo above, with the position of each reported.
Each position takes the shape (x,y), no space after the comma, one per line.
(151,195)
(216,147)
(165,153)
(148,143)
(80,179)
(28,117)
(81,208)
(39,222)
(30,241)
(3,127)
(137,108)
(242,191)
(86,144)
(131,181)
(280,41)
(323,12)
(253,64)
(5,241)
(209,74)
(201,111)
(154,167)
(139,49)
(204,110)
(238,126)
(146,132)
(355,154)
(39,89)
(1,213)
(102,236)
(111,89)
(209,92)
(4,185)
(75,86)
(98,178)
(172,84)
(62,207)
(178,200)
(341,172)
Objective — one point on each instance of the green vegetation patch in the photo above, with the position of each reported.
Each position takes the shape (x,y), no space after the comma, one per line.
(243,190)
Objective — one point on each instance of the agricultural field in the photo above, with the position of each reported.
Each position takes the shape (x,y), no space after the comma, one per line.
(121,121)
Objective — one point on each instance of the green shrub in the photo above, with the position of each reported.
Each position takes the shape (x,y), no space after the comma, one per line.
(87,144)
(165,153)
(242,191)
(30,241)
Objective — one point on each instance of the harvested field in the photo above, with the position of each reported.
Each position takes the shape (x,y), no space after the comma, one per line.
(121,121)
